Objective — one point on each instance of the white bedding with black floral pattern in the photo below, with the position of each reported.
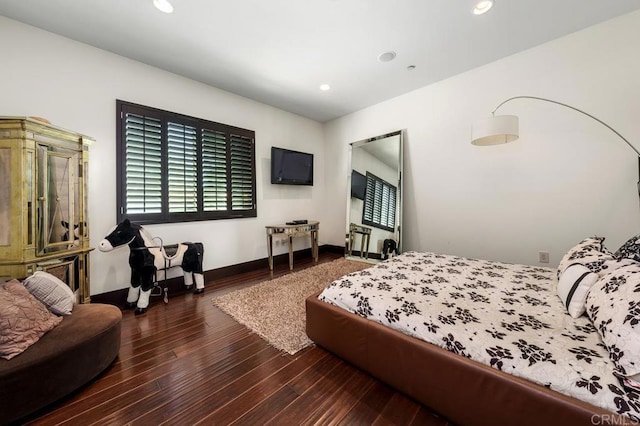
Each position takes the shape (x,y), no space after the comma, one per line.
(503,315)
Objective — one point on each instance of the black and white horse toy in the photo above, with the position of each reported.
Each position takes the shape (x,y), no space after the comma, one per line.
(389,249)
(147,258)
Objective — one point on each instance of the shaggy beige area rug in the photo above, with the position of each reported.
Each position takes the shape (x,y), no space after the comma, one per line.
(275,309)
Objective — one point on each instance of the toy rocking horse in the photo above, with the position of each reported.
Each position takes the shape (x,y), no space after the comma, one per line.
(389,249)
(147,258)
(76,233)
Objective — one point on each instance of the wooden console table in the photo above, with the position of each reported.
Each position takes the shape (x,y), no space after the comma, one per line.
(291,231)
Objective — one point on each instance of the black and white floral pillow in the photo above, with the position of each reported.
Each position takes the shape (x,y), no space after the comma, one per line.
(613,304)
(590,253)
(630,249)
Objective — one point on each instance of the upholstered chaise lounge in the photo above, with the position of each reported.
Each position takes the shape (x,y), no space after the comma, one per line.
(63,360)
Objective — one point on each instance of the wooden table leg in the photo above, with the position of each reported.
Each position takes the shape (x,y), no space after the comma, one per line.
(290,253)
(314,245)
(367,252)
(270,250)
(352,239)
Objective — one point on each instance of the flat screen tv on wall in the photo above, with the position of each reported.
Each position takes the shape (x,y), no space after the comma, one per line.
(291,167)
(358,185)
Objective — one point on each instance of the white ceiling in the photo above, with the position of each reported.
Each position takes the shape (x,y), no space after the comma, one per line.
(279,51)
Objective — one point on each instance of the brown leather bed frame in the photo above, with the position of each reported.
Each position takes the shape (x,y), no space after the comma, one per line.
(463,391)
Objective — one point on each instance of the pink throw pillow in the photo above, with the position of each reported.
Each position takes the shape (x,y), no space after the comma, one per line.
(23,319)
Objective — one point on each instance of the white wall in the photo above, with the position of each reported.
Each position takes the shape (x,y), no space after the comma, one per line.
(75,86)
(566,178)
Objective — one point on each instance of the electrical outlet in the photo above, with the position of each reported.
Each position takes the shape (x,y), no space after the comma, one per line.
(543,257)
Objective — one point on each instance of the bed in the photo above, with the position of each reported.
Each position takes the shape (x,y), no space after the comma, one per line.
(480,342)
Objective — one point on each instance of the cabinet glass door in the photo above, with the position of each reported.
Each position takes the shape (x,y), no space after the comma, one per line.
(58,191)
(5,196)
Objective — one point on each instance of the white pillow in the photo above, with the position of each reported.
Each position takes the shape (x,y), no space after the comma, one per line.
(51,291)
(573,287)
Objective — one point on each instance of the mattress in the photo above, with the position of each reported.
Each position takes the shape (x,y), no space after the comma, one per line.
(503,315)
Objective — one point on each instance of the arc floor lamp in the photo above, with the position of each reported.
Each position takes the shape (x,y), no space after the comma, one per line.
(499,129)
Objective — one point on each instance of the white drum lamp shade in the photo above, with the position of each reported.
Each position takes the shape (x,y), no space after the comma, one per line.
(495,130)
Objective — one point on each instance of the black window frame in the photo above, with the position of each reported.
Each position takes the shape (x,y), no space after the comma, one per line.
(232,135)
(374,198)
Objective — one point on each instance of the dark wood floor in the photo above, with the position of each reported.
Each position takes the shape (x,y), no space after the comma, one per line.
(188,363)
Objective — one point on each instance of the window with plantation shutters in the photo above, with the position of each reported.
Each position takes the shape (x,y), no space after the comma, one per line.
(176,168)
(182,170)
(214,171)
(143,164)
(241,166)
(379,204)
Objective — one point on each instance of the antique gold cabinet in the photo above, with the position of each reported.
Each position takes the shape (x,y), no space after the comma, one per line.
(43,202)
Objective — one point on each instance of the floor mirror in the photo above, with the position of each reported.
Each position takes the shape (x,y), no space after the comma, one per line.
(374,207)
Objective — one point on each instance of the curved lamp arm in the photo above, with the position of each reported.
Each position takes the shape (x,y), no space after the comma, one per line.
(573,108)
(504,128)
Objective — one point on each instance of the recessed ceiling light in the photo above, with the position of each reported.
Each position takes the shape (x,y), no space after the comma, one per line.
(482,6)
(325,87)
(163,6)
(387,56)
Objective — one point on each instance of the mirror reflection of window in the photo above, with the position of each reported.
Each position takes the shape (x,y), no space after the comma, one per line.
(379,204)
